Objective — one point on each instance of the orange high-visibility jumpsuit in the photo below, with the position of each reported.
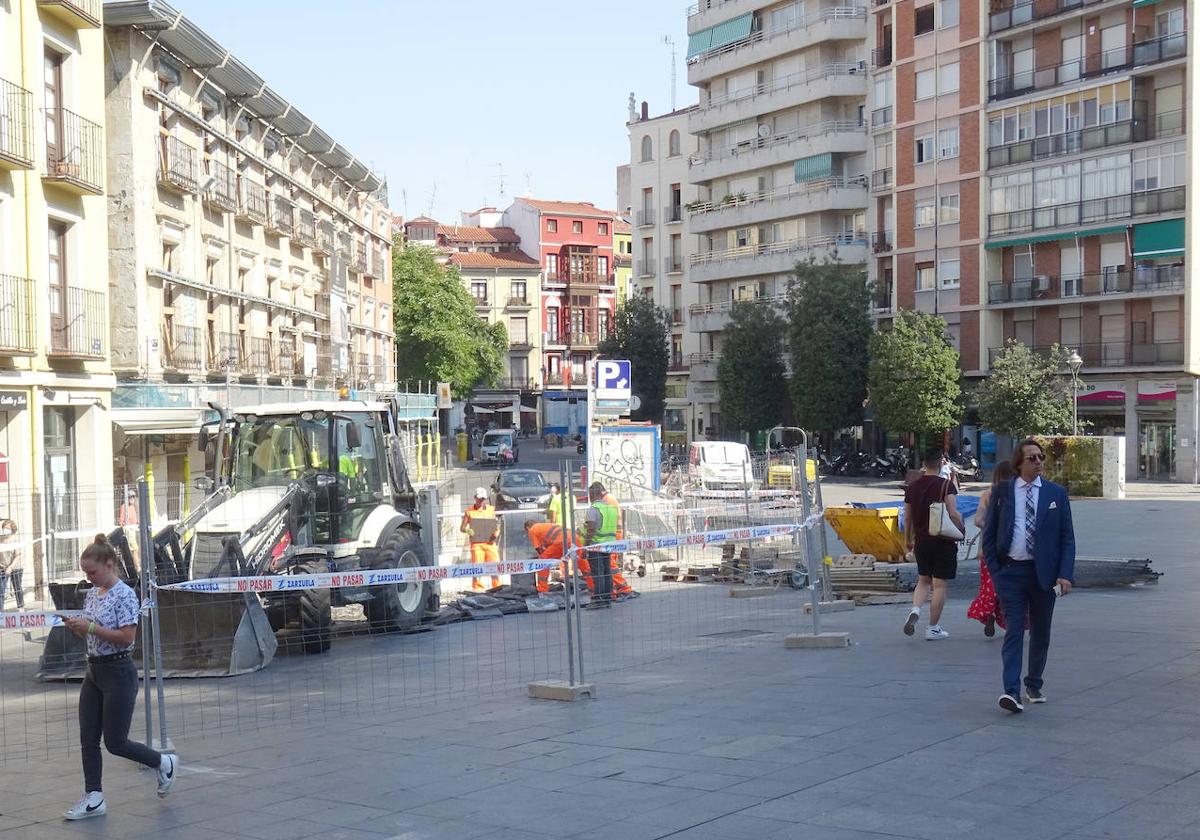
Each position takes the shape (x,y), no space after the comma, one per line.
(482,552)
(619,584)
(547,539)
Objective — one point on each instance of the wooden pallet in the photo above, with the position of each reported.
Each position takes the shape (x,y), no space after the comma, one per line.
(690,574)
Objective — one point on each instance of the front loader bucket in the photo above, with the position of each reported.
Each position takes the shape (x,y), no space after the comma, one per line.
(214,634)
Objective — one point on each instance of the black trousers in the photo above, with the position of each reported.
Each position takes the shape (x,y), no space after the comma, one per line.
(106,701)
(601,565)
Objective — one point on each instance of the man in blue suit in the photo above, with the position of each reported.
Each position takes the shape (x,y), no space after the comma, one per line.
(1029,544)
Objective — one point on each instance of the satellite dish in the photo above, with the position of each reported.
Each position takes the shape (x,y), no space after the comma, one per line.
(635,402)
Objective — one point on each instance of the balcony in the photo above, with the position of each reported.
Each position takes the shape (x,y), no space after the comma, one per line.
(359,260)
(881,57)
(252,201)
(581,339)
(769,149)
(714,317)
(178,165)
(17,324)
(1117,354)
(777,257)
(78,331)
(1091,211)
(703,366)
(741,210)
(677,365)
(1006,16)
(519,302)
(673,214)
(1117,60)
(258,358)
(793,90)
(558,377)
(673,264)
(16,126)
(324,243)
(222,186)
(881,180)
(183,348)
(881,117)
(644,268)
(797,31)
(645,217)
(882,242)
(481,302)
(282,220)
(74,152)
(881,300)
(78,14)
(1144,280)
(553,339)
(286,361)
(306,228)
(226,352)
(520,345)
(1160,126)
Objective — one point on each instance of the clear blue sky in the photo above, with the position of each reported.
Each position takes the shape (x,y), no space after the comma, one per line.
(440,92)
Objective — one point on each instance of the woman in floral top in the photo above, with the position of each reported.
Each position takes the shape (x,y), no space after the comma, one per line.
(109,690)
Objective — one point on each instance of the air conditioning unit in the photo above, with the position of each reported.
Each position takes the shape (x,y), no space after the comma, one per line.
(764,131)
(1041,283)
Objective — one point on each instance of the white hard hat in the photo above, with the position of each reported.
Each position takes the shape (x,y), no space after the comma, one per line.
(480,493)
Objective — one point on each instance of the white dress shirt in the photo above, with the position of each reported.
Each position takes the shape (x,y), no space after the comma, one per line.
(1017,550)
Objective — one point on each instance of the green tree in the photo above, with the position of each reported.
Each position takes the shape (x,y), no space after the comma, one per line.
(438,335)
(829,336)
(641,333)
(750,375)
(913,378)
(1026,393)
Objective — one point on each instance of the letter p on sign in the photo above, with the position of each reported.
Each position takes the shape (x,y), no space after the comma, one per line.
(613,381)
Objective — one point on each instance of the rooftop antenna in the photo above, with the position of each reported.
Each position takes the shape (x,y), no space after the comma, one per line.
(528,189)
(432,199)
(670,42)
(404,198)
(500,166)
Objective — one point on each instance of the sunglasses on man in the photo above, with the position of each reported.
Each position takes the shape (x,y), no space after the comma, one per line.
(1037,456)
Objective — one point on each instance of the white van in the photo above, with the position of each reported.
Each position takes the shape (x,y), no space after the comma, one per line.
(494,443)
(720,465)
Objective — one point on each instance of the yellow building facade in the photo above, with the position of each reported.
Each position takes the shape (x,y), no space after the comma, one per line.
(623,258)
(55,378)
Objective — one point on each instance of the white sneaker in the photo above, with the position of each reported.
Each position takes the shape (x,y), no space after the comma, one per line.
(910,624)
(92,805)
(166,773)
(935,633)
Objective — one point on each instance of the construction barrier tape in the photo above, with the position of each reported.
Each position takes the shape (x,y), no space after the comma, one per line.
(703,538)
(34,619)
(365,577)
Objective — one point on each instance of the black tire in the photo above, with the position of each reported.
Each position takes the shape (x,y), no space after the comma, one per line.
(316,617)
(399,606)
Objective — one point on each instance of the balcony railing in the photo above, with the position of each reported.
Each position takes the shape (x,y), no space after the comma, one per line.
(673,264)
(252,201)
(1140,280)
(644,267)
(16,126)
(222,191)
(673,213)
(520,383)
(282,219)
(881,300)
(258,358)
(480,302)
(580,338)
(306,227)
(881,241)
(359,263)
(178,165)
(645,217)
(553,339)
(580,278)
(324,237)
(520,302)
(881,179)
(520,345)
(74,151)
(820,185)
(696,309)
(677,316)
(1160,126)
(286,360)
(799,21)
(881,117)
(805,77)
(226,352)
(183,347)
(1090,211)
(80,13)
(17,324)
(783,246)
(1016,14)
(557,377)
(1112,354)
(808,132)
(78,330)
(1099,64)
(881,57)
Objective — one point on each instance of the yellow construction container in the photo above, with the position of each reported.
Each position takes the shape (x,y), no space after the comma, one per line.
(874,531)
(780,476)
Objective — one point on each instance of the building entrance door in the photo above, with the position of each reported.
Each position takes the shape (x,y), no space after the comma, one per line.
(1157,450)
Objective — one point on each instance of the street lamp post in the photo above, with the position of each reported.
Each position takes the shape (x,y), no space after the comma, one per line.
(1074,363)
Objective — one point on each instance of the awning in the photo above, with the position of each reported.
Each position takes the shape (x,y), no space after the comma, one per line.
(1051,237)
(814,168)
(1158,239)
(183,422)
(720,35)
(529,409)
(1137,4)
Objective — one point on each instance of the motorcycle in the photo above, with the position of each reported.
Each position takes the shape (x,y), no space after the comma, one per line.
(579,445)
(967,468)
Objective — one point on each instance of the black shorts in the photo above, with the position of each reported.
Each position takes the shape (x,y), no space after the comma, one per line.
(937,558)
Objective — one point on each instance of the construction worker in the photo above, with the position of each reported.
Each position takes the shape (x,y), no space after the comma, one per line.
(547,541)
(600,524)
(554,508)
(482,550)
(620,586)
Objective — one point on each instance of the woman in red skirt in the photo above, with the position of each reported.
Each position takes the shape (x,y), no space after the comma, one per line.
(986,606)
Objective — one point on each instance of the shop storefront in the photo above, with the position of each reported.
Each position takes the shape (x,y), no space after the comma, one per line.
(1145,412)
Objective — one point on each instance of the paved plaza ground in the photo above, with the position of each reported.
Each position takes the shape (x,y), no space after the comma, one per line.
(892,737)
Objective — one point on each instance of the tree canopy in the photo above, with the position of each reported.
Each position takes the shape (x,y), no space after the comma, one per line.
(438,335)
(913,380)
(641,333)
(750,374)
(1026,392)
(828,339)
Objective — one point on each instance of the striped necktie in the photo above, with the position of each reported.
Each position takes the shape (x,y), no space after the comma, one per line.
(1030,519)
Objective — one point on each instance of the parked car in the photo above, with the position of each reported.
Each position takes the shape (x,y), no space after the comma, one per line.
(720,465)
(520,490)
(494,443)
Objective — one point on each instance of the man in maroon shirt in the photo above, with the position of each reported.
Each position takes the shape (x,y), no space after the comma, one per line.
(937,557)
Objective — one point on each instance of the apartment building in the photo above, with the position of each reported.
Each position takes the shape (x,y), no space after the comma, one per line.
(1087,174)
(781,165)
(247,247)
(55,380)
(660,150)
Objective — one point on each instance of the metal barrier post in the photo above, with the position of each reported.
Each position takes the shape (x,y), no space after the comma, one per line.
(143,494)
(826,583)
(813,579)
(569,536)
(155,627)
(564,474)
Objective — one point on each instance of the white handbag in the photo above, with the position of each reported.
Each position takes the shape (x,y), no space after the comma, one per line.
(940,524)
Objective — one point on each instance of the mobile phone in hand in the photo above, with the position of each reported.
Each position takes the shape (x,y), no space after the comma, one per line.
(1057,590)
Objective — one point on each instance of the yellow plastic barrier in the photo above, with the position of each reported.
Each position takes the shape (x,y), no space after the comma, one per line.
(874,531)
(780,475)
